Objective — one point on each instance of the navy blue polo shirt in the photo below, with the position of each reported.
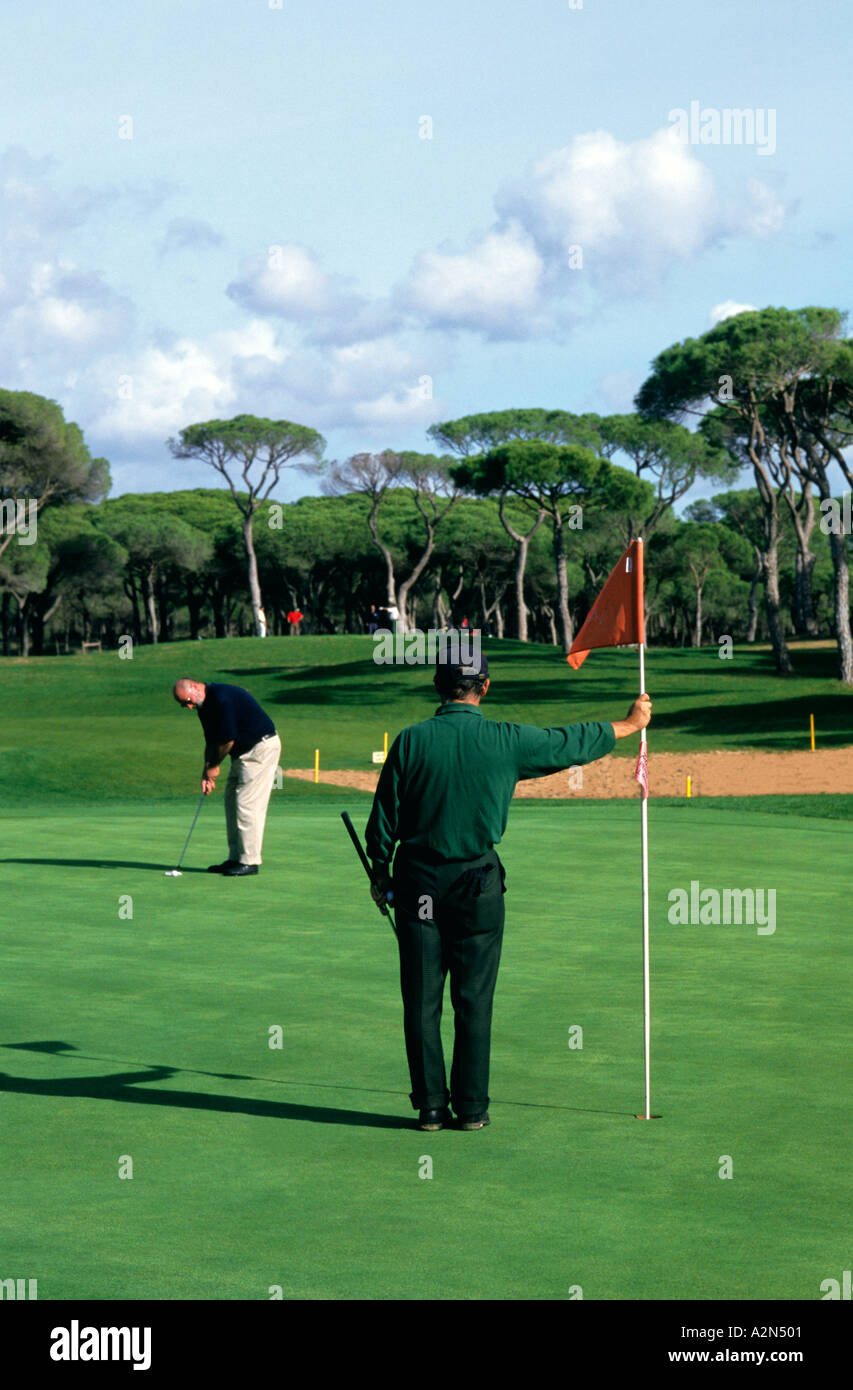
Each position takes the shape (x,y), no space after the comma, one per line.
(229,712)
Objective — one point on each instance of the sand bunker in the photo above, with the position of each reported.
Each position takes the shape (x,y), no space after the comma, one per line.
(712,774)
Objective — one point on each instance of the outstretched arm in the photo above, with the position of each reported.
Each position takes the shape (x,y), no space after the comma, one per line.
(542,751)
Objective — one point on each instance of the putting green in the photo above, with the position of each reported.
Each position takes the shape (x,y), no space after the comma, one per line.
(147,1038)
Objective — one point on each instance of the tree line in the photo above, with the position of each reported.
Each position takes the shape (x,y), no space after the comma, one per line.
(513,523)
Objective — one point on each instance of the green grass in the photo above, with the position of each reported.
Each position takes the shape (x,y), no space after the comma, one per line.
(255,1167)
(824,805)
(99,727)
(148,1036)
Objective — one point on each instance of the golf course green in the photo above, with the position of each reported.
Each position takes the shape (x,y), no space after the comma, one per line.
(203,1081)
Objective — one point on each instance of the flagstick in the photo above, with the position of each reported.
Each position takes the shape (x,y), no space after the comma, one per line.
(647,1017)
(607,625)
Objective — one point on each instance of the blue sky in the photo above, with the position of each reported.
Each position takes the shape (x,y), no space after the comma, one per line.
(277,237)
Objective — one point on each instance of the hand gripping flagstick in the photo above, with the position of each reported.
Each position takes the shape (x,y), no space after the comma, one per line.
(389,897)
(616,619)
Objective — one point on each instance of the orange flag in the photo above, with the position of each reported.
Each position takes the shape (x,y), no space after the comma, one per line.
(616,617)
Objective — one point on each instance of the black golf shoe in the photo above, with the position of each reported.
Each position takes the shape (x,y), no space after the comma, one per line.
(220,868)
(239,870)
(434,1119)
(474,1121)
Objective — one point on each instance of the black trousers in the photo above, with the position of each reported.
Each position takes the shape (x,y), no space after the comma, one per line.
(450,920)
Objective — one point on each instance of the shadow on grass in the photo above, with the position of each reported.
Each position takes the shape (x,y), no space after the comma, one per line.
(102,864)
(765,723)
(371,683)
(121,1086)
(699,697)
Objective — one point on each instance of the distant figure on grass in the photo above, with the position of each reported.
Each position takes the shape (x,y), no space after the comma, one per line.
(294,618)
(443,796)
(371,619)
(233,722)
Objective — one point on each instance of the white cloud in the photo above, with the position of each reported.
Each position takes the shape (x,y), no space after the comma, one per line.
(312,347)
(493,286)
(162,388)
(254,340)
(49,305)
(367,367)
(765,212)
(287,280)
(145,398)
(396,409)
(188,234)
(600,216)
(381,382)
(51,308)
(636,209)
(727,310)
(607,197)
(155,394)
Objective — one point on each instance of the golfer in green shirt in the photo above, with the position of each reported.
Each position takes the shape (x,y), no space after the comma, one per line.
(443,797)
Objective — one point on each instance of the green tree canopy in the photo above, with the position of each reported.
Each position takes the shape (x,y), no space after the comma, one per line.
(44,460)
(249,452)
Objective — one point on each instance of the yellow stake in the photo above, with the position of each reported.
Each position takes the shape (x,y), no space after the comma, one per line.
(688,788)
(811,722)
(386,745)
(316,764)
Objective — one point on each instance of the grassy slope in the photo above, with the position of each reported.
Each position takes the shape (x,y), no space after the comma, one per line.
(100,727)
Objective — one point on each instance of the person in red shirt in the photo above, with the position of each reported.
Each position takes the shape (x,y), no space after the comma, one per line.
(294,618)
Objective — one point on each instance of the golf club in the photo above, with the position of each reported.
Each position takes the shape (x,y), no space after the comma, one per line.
(389,897)
(176,873)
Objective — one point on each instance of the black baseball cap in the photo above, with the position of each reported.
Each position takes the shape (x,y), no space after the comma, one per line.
(449,673)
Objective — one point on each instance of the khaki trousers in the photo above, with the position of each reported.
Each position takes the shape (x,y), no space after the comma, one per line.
(247,794)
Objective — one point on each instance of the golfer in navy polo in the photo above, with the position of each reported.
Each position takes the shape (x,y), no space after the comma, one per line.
(234,723)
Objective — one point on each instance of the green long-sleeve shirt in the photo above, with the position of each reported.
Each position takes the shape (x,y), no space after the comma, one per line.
(447,783)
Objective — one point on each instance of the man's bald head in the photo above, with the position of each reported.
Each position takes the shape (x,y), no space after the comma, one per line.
(188,692)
